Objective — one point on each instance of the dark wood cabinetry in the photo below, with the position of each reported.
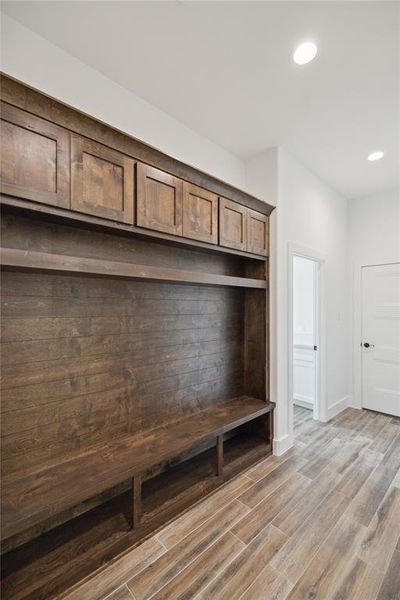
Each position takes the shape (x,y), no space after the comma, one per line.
(200,214)
(242,228)
(257,233)
(34,158)
(102,181)
(232,224)
(135,330)
(159,200)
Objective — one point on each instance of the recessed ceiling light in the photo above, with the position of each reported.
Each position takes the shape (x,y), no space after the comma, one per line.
(375,156)
(305,53)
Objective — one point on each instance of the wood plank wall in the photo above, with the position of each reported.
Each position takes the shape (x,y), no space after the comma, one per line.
(86,360)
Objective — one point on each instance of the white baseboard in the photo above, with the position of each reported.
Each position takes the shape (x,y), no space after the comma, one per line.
(355,403)
(303,401)
(337,407)
(282,445)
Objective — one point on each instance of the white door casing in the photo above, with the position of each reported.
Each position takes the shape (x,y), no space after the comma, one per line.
(381,330)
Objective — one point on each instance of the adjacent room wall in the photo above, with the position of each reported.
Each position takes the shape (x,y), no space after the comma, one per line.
(35,61)
(374,238)
(312,216)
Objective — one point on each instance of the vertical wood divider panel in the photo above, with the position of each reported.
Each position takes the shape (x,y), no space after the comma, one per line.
(136,501)
(220,456)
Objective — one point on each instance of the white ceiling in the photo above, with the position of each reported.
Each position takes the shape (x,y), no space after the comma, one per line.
(225,70)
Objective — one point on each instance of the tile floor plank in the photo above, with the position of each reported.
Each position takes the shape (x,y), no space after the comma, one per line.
(300,507)
(335,569)
(390,588)
(300,548)
(381,537)
(196,516)
(241,573)
(202,570)
(269,585)
(119,571)
(251,525)
(161,571)
(271,482)
(121,594)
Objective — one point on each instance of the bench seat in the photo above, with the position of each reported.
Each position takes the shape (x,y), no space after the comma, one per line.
(32,497)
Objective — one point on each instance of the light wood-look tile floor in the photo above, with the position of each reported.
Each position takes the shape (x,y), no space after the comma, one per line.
(321,522)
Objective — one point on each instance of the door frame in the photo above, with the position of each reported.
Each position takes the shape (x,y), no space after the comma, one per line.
(320,412)
(357,328)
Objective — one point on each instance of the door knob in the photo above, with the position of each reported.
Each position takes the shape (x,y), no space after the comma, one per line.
(367,345)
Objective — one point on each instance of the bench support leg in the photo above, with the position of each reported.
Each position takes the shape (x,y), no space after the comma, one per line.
(136,501)
(219,456)
(268,427)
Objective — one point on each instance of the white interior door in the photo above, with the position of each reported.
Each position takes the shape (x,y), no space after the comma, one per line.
(381,338)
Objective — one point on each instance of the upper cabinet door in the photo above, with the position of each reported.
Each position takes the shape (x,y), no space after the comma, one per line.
(102,181)
(257,233)
(232,224)
(34,158)
(159,200)
(200,214)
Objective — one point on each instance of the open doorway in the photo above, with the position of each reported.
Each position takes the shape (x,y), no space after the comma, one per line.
(304,338)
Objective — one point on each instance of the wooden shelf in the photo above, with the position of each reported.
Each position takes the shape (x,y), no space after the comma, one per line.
(58,263)
(63,215)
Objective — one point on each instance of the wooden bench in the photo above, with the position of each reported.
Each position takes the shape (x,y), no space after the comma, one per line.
(30,498)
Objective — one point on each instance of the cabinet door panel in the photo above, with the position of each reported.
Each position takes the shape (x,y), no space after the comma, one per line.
(159,200)
(34,158)
(232,224)
(102,181)
(200,214)
(257,233)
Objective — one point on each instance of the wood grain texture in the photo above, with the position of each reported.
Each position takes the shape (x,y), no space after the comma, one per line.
(257,233)
(35,157)
(119,571)
(157,575)
(323,558)
(31,497)
(233,581)
(32,101)
(232,224)
(202,570)
(42,262)
(94,361)
(102,181)
(200,214)
(159,200)
(391,583)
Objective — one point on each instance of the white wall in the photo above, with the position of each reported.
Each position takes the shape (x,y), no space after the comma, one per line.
(310,215)
(35,61)
(374,238)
